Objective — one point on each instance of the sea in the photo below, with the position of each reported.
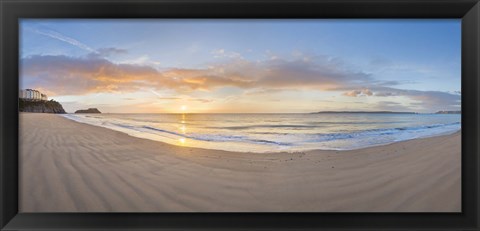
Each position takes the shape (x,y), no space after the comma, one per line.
(261,133)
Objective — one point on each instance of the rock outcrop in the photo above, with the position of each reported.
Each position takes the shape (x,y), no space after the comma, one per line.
(50,106)
(90,110)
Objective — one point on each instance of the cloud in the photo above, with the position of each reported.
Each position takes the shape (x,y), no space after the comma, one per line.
(218,52)
(319,73)
(66,75)
(206,79)
(201,100)
(101,52)
(141,60)
(437,100)
(385,94)
(106,52)
(109,51)
(222,53)
(81,75)
(356,93)
(159,96)
(58,36)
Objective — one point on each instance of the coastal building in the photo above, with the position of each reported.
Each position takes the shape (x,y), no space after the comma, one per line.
(31,94)
(22,94)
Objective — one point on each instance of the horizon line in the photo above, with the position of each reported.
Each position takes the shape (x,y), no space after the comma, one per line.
(320,112)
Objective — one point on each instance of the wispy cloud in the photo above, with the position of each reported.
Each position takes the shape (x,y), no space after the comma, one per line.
(94,53)
(155,93)
(58,36)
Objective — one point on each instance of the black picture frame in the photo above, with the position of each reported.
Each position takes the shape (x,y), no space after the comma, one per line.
(13,10)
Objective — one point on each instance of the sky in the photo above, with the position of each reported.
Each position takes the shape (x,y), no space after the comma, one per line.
(243,66)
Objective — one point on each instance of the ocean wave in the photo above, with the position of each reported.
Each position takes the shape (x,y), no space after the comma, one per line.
(307,125)
(396,134)
(281,138)
(263,126)
(218,138)
(351,134)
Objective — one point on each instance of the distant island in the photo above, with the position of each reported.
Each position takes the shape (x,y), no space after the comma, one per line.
(90,110)
(448,112)
(363,112)
(40,106)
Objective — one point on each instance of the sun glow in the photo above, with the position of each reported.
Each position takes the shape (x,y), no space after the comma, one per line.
(182,141)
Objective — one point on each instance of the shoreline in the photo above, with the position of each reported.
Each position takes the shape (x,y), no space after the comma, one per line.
(77,167)
(143,135)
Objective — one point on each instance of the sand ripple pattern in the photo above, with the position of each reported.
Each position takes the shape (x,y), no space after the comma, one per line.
(67,166)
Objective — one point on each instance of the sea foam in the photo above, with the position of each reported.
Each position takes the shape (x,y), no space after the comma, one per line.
(275,132)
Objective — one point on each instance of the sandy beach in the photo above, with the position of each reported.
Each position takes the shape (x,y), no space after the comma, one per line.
(67,166)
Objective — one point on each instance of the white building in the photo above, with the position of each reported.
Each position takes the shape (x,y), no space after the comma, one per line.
(30,94)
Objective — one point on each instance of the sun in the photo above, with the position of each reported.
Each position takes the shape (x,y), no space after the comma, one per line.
(182,141)
(183,108)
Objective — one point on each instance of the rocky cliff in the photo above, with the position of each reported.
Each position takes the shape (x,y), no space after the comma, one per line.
(50,106)
(90,110)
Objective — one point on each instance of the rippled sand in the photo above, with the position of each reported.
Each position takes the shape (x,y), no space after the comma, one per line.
(67,166)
